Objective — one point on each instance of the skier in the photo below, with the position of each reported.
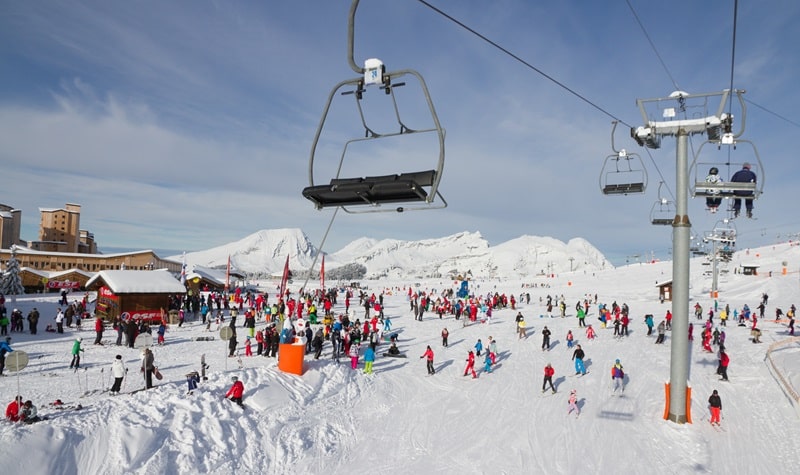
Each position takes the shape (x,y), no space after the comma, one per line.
(549,372)
(76,353)
(118,370)
(5,347)
(618,377)
(648,320)
(236,391)
(478,347)
(570,338)
(573,403)
(492,349)
(445,334)
(578,356)
(248,348)
(715,406)
(724,360)
(429,356)
(162,330)
(590,334)
(470,368)
(487,362)
(60,321)
(545,339)
(661,333)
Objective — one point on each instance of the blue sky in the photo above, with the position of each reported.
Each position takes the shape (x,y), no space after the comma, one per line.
(188,124)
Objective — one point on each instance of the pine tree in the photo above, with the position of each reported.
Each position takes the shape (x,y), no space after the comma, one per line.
(12,282)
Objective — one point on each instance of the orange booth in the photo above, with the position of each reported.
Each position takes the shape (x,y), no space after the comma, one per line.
(291,357)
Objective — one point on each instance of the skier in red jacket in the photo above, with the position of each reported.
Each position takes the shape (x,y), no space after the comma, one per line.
(470,365)
(429,356)
(236,391)
(549,372)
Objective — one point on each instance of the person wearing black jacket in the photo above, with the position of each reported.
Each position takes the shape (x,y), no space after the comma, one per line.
(545,339)
(578,356)
(715,405)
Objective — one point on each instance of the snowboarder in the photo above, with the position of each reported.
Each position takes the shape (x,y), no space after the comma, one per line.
(429,357)
(76,353)
(235,392)
(573,403)
(617,377)
(715,406)
(470,368)
(578,356)
(549,372)
(118,370)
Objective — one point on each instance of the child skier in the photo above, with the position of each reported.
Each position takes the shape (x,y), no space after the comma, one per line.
(549,372)
(429,358)
(470,368)
(478,347)
(570,339)
(713,202)
(618,377)
(573,403)
(487,362)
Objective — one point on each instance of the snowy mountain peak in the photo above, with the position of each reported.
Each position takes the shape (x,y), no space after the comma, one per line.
(265,252)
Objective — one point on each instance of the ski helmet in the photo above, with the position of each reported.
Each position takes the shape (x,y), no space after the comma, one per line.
(713,171)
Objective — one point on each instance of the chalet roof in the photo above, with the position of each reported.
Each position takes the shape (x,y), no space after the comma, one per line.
(137,282)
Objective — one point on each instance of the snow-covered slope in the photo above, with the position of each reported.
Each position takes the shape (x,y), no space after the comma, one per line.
(335,420)
(266,250)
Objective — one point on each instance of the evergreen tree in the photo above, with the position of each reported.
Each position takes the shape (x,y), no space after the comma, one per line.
(12,282)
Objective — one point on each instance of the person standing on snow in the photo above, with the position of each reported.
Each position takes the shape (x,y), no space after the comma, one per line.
(661,332)
(148,366)
(617,377)
(478,347)
(445,334)
(5,347)
(471,364)
(715,406)
(98,329)
(429,357)
(369,358)
(76,353)
(570,339)
(545,339)
(487,362)
(578,356)
(353,353)
(118,370)
(549,372)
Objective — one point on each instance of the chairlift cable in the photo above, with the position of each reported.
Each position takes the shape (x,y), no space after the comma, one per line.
(796,124)
(520,60)
(733,52)
(319,249)
(652,45)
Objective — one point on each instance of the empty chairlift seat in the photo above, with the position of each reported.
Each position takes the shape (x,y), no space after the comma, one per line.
(374,190)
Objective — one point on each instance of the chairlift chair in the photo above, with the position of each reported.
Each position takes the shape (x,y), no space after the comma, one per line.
(663,211)
(623,172)
(406,191)
(722,135)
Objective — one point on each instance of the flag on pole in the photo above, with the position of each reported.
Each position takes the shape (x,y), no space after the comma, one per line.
(228,274)
(183,269)
(322,275)
(285,278)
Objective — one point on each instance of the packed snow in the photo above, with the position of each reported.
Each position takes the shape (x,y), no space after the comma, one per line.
(333,419)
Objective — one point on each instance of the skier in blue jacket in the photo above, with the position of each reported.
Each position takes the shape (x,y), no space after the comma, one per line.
(478,347)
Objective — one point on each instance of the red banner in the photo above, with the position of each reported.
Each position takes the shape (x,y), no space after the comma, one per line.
(63,284)
(322,275)
(285,278)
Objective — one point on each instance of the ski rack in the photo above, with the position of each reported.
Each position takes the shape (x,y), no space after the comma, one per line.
(622,180)
(417,189)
